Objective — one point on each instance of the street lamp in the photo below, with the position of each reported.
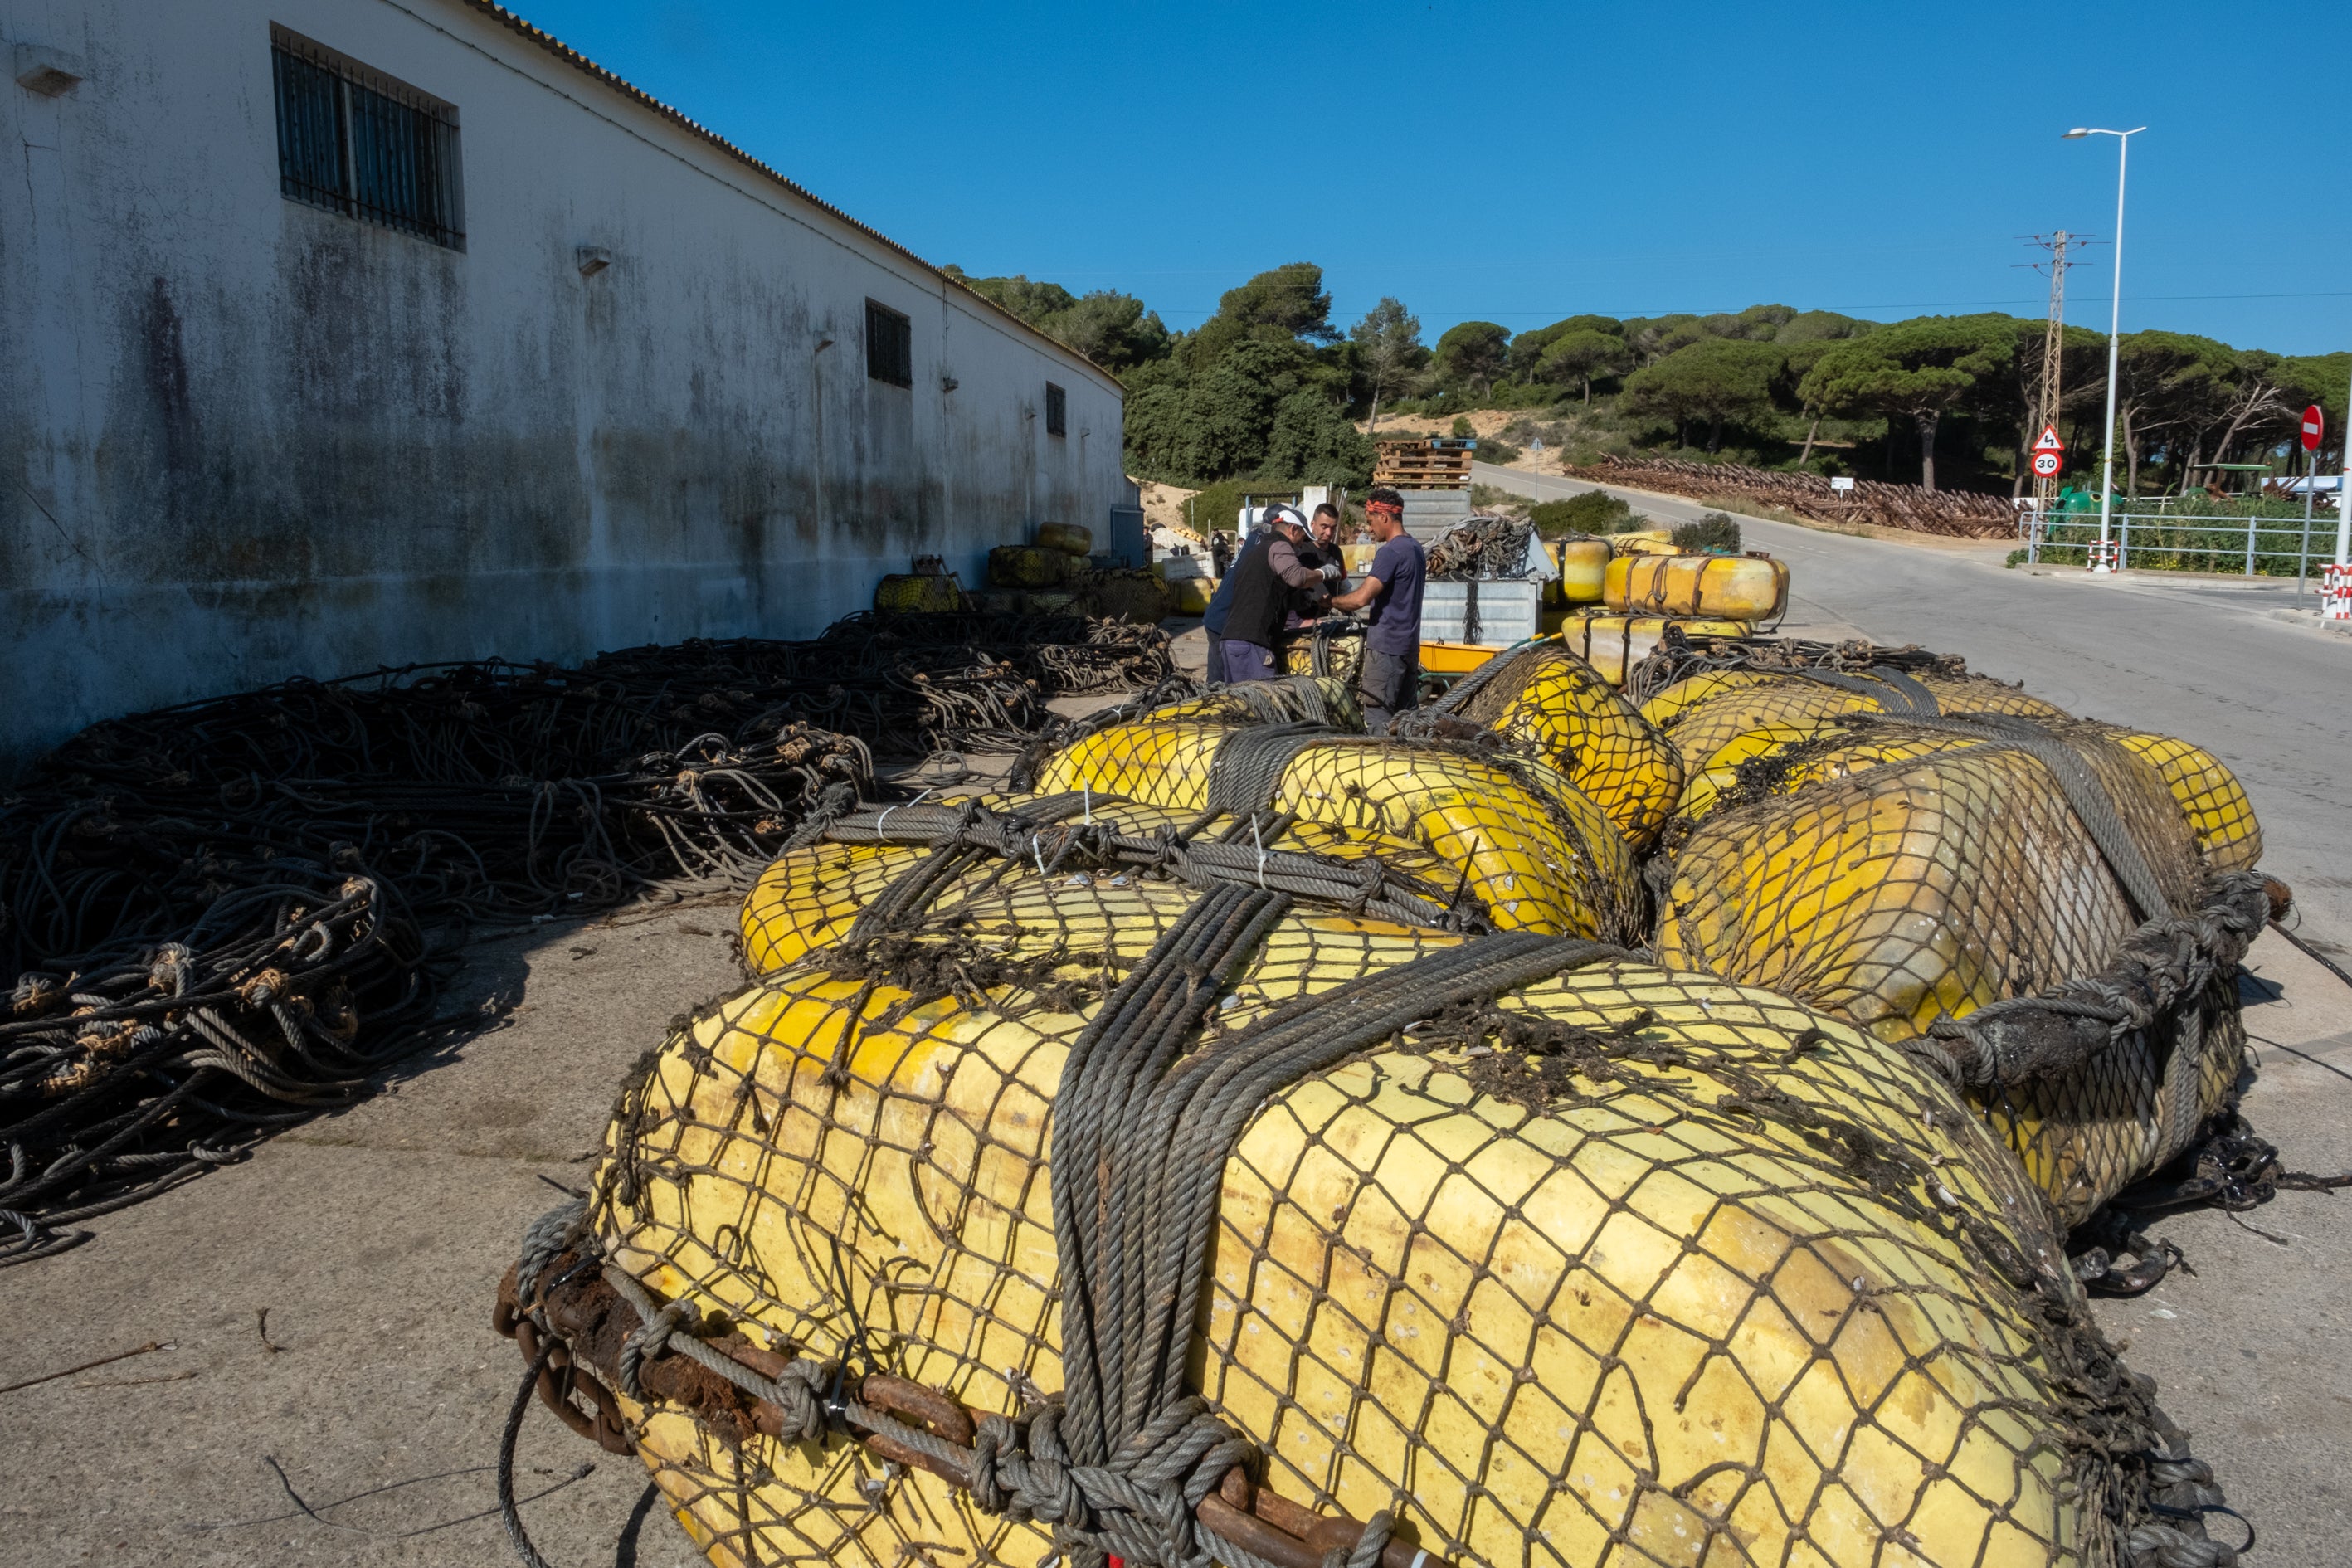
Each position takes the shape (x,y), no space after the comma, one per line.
(2105,560)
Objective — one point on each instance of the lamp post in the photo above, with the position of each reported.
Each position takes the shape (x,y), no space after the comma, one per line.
(2104,560)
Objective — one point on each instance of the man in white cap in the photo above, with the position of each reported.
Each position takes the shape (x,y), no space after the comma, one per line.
(1268,582)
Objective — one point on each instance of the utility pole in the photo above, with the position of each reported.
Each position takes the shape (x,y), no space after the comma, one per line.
(2046,392)
(2053,338)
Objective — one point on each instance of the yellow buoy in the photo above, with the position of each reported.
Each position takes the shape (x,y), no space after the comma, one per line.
(1535,849)
(1596,1275)
(1726,587)
(1613,644)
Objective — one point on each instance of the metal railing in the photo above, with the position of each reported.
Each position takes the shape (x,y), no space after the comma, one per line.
(2164,541)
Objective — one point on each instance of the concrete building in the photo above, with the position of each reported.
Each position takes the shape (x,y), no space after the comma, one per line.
(336,333)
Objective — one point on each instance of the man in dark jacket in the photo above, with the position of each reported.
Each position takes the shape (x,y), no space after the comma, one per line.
(1269,580)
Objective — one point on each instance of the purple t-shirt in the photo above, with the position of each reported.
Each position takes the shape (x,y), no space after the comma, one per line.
(1401,565)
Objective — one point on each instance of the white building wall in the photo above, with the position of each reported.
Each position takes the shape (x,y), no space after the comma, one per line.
(242,439)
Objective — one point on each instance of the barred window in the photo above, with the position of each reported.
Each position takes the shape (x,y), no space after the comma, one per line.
(889,345)
(1057,411)
(354,141)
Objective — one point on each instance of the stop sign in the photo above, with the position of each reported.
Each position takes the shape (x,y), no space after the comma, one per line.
(2314,422)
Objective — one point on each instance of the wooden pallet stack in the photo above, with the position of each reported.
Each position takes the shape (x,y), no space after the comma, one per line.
(1436,463)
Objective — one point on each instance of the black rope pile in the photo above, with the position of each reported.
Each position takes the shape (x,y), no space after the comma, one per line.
(228,915)
(1679,656)
(909,686)
(1481,547)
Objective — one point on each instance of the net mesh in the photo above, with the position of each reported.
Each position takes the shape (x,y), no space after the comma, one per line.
(1780,759)
(1547,701)
(1535,849)
(1912,889)
(1632,1268)
(1704,712)
(812,896)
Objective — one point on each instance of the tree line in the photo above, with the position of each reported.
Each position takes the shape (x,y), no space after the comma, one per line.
(1269,388)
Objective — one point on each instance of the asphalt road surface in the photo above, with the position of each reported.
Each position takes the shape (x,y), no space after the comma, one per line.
(2246,1351)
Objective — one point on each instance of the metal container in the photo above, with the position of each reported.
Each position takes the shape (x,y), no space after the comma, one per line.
(1508,611)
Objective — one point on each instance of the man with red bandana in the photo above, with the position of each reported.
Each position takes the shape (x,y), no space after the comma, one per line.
(1388,682)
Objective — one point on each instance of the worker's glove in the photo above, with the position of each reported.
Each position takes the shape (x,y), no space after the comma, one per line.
(1333,571)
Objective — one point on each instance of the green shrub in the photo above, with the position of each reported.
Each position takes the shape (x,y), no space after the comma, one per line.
(1594,511)
(1463,428)
(2016,558)
(1714,531)
(1495,450)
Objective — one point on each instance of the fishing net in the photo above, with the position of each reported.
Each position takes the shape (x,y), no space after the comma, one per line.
(1535,850)
(1704,712)
(1549,704)
(1780,759)
(1536,1255)
(1939,881)
(815,896)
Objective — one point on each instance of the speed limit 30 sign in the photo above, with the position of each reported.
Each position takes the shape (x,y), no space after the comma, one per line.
(2047,464)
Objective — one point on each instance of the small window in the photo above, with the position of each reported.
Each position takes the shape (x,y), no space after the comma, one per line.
(889,345)
(355,142)
(1057,411)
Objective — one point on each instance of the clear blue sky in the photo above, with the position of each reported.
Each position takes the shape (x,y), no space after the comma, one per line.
(1881,160)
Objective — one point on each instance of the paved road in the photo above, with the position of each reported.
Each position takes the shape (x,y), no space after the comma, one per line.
(2246,1351)
(2205,661)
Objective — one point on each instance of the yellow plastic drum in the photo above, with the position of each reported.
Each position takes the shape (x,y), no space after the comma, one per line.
(1583,572)
(1734,587)
(1613,644)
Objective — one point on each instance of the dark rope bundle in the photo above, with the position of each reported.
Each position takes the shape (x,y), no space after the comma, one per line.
(224,915)
(1677,656)
(1042,834)
(1481,547)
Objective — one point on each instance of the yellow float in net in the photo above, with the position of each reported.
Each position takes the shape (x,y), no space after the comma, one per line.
(1536,852)
(1547,702)
(1780,759)
(1623,1266)
(1912,889)
(812,896)
(1704,712)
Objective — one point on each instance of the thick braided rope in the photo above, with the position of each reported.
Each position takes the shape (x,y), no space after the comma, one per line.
(1249,764)
(2086,795)
(1138,1175)
(1362,885)
(2158,974)
(1897,694)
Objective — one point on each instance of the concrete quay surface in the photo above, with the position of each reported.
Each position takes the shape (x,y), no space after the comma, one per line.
(356,1422)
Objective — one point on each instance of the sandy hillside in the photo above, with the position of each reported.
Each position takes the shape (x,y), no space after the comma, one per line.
(1163,506)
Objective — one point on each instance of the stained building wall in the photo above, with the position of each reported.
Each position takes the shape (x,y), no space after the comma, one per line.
(243,439)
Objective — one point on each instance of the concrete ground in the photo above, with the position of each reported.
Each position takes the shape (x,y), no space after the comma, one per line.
(355,1422)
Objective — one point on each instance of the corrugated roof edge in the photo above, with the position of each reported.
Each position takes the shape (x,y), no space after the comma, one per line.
(570,56)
